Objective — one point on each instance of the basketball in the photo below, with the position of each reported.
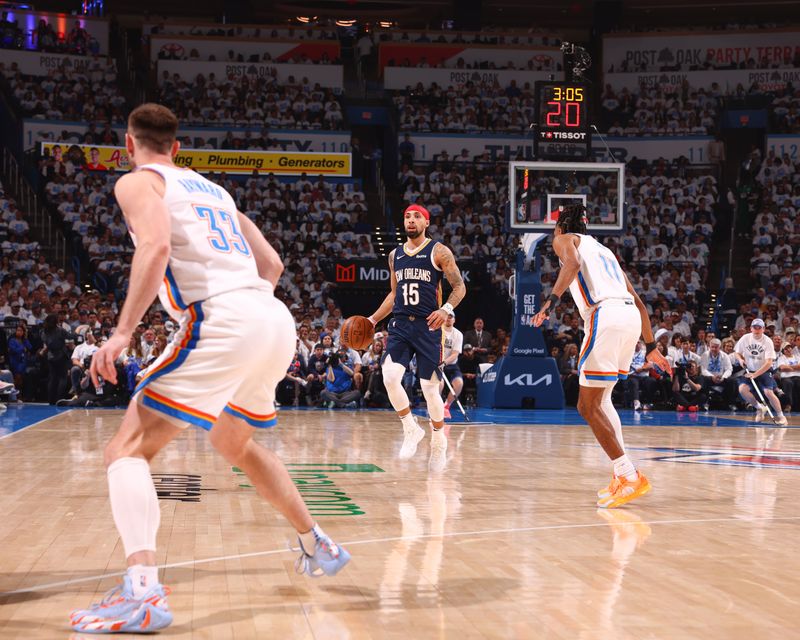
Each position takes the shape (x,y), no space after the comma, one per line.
(357,333)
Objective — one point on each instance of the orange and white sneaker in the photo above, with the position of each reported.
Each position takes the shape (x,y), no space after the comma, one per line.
(610,489)
(625,491)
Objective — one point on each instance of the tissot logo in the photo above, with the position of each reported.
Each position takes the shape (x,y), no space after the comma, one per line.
(345,273)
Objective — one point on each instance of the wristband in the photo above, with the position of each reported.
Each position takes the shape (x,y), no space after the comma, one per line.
(649,347)
(554,300)
(447,307)
(373,321)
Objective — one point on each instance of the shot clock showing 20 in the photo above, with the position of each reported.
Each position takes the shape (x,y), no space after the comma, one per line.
(562,118)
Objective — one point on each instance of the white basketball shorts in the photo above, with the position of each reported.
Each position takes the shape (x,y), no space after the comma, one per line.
(612,330)
(229,353)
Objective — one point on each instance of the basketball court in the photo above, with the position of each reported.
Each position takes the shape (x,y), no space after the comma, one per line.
(506,543)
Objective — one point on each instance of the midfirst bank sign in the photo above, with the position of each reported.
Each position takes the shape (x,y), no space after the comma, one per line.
(369,273)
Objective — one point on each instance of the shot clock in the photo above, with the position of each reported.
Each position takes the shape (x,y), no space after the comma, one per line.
(563,131)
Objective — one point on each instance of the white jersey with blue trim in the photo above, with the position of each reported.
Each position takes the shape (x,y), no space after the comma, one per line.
(208,251)
(599,278)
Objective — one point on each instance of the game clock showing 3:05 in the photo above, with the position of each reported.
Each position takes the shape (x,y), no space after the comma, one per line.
(563,131)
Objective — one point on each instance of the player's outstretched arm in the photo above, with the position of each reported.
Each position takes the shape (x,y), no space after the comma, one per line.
(140,196)
(567,252)
(653,354)
(388,302)
(268,261)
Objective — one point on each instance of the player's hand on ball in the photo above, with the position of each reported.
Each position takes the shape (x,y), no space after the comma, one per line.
(658,359)
(544,314)
(436,319)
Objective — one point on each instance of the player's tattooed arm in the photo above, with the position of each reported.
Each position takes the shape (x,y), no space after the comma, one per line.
(388,302)
(446,261)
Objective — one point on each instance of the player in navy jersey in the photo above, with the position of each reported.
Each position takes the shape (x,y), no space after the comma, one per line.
(416,269)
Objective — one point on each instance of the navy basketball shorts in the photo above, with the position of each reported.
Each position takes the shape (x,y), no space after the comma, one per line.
(765,382)
(409,337)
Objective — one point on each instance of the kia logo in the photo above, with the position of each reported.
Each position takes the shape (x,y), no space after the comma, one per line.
(345,274)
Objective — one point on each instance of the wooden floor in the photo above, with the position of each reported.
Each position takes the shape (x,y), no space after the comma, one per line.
(507,543)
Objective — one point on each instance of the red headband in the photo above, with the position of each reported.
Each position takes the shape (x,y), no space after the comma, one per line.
(420,210)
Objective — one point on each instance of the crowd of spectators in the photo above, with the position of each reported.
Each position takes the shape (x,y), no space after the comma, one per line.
(251,100)
(665,249)
(538,62)
(531,37)
(77,41)
(655,111)
(178,53)
(785,110)
(84,94)
(473,107)
(239,32)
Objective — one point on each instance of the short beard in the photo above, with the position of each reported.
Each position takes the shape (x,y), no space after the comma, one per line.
(413,235)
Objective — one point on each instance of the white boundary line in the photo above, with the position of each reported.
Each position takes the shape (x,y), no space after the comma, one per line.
(26,427)
(423,536)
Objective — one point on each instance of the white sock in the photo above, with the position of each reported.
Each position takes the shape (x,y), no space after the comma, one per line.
(409,422)
(134,504)
(309,539)
(623,468)
(613,417)
(143,578)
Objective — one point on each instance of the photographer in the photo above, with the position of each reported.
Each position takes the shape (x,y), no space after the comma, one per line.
(687,388)
(79,355)
(87,394)
(317,374)
(339,390)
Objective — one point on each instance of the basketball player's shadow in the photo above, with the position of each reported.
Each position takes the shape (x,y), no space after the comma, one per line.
(461,592)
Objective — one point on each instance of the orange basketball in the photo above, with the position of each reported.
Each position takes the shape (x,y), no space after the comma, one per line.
(357,333)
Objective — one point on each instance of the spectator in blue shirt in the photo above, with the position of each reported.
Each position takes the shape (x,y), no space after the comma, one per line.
(339,390)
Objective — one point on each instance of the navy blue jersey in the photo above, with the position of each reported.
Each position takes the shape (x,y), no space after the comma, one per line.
(419,283)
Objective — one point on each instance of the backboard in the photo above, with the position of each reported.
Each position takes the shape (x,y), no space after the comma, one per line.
(538,189)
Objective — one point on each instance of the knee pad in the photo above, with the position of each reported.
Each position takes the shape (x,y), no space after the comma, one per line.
(393,373)
(433,398)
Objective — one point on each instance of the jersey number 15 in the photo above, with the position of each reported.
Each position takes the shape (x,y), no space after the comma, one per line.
(410,294)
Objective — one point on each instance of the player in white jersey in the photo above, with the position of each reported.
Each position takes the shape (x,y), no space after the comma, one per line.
(756,353)
(614,317)
(215,273)
(453,342)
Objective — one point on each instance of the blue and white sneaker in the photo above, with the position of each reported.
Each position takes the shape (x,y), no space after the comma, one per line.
(328,558)
(119,612)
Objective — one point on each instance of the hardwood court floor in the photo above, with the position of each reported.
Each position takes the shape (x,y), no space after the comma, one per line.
(507,543)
